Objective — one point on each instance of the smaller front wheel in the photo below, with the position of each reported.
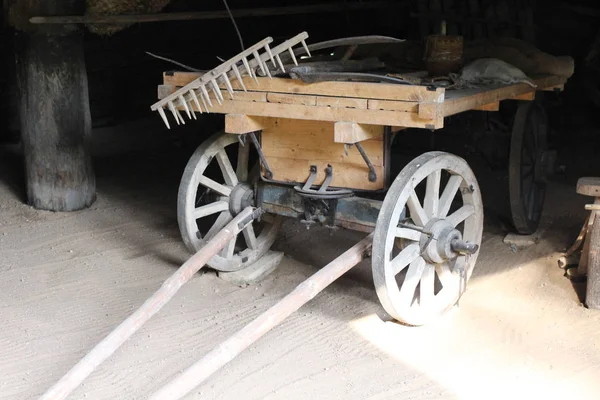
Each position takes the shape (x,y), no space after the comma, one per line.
(427,237)
(207,202)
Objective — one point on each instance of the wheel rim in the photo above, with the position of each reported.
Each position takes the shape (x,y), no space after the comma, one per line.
(527,185)
(206,205)
(440,192)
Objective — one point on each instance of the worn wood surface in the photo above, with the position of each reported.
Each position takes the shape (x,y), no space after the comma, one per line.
(351,132)
(292,146)
(362,103)
(55,116)
(458,101)
(365,90)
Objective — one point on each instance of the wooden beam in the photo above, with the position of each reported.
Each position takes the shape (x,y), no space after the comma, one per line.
(207,15)
(489,107)
(351,132)
(240,124)
(560,88)
(363,90)
(530,96)
(285,98)
(461,100)
(298,111)
(342,102)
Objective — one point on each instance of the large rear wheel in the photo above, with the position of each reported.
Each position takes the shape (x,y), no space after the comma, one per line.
(427,238)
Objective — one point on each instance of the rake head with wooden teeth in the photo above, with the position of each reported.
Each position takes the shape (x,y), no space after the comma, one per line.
(190,96)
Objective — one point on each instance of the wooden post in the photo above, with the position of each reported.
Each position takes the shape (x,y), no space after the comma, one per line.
(54,112)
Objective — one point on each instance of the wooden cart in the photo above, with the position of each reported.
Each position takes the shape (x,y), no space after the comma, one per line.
(324,147)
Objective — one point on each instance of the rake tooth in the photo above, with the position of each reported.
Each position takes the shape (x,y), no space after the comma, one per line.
(306,48)
(180,117)
(191,107)
(236,71)
(195,98)
(293,56)
(280,63)
(270,55)
(161,111)
(228,84)
(259,61)
(250,72)
(184,104)
(205,93)
(247,65)
(217,91)
(204,103)
(173,111)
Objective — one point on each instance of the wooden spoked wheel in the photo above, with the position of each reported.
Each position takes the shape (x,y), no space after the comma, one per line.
(206,204)
(432,209)
(527,169)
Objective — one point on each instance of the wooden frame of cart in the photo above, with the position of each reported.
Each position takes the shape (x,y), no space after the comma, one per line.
(323,147)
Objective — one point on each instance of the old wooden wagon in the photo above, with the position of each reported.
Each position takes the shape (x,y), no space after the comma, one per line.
(324,148)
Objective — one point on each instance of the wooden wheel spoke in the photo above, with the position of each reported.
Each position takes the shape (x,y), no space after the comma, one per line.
(417,213)
(243,161)
(427,286)
(222,220)
(409,234)
(211,184)
(449,194)
(444,274)
(461,214)
(432,194)
(411,280)
(227,169)
(210,209)
(229,248)
(250,237)
(405,257)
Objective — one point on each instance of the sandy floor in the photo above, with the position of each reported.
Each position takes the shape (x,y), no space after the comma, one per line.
(68,279)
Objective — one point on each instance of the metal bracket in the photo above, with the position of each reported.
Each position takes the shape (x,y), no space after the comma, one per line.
(261,155)
(372,174)
(322,192)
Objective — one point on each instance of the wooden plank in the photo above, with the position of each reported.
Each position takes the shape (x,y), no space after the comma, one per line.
(560,88)
(352,176)
(468,99)
(530,96)
(165,90)
(365,90)
(239,123)
(284,98)
(343,102)
(333,114)
(351,132)
(391,105)
(292,146)
(489,107)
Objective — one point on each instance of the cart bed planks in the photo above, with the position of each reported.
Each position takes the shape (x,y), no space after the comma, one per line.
(360,102)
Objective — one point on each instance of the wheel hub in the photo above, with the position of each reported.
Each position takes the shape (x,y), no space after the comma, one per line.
(241,197)
(437,245)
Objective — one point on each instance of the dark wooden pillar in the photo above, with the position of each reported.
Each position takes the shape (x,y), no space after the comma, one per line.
(54,112)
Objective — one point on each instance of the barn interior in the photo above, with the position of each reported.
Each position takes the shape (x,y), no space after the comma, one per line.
(90,182)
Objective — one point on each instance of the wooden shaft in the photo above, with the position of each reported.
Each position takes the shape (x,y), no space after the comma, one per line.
(205,15)
(169,288)
(235,344)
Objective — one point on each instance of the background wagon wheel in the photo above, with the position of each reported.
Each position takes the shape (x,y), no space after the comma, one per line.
(433,202)
(526,170)
(206,205)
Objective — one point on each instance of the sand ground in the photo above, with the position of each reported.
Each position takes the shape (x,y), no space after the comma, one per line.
(67,279)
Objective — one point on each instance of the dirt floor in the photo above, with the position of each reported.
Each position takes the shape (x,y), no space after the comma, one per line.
(66,280)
